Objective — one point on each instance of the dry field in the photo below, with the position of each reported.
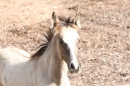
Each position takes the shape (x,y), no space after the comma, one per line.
(104,48)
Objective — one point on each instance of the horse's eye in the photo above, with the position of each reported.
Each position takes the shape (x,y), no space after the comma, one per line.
(61,41)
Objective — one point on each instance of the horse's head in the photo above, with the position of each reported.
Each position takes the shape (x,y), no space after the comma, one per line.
(66,33)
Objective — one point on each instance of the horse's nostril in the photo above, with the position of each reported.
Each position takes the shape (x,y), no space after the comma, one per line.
(72,66)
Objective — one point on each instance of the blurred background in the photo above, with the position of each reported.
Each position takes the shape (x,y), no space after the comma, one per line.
(104,47)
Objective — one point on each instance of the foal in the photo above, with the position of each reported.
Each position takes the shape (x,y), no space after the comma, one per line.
(50,64)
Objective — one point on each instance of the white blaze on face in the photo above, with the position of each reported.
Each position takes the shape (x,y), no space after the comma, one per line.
(70,37)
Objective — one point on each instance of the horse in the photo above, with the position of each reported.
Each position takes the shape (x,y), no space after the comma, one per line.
(49,65)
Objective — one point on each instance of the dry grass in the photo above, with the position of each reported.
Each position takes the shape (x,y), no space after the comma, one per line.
(104,48)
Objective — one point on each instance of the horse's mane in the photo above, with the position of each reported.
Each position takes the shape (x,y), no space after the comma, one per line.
(49,34)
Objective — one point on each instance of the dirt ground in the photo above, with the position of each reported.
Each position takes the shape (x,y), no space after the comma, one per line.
(104,47)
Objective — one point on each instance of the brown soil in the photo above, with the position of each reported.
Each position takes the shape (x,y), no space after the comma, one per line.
(104,48)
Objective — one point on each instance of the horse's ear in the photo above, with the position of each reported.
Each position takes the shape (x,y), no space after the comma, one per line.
(77,20)
(53,21)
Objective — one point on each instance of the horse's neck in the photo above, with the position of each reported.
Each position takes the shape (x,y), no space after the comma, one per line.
(58,71)
(55,67)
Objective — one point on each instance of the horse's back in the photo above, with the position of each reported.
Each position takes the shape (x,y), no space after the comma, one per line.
(19,51)
(12,54)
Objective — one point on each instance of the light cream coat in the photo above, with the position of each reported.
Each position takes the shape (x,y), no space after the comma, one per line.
(17,69)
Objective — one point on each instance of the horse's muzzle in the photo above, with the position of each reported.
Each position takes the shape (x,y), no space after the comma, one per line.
(73,69)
